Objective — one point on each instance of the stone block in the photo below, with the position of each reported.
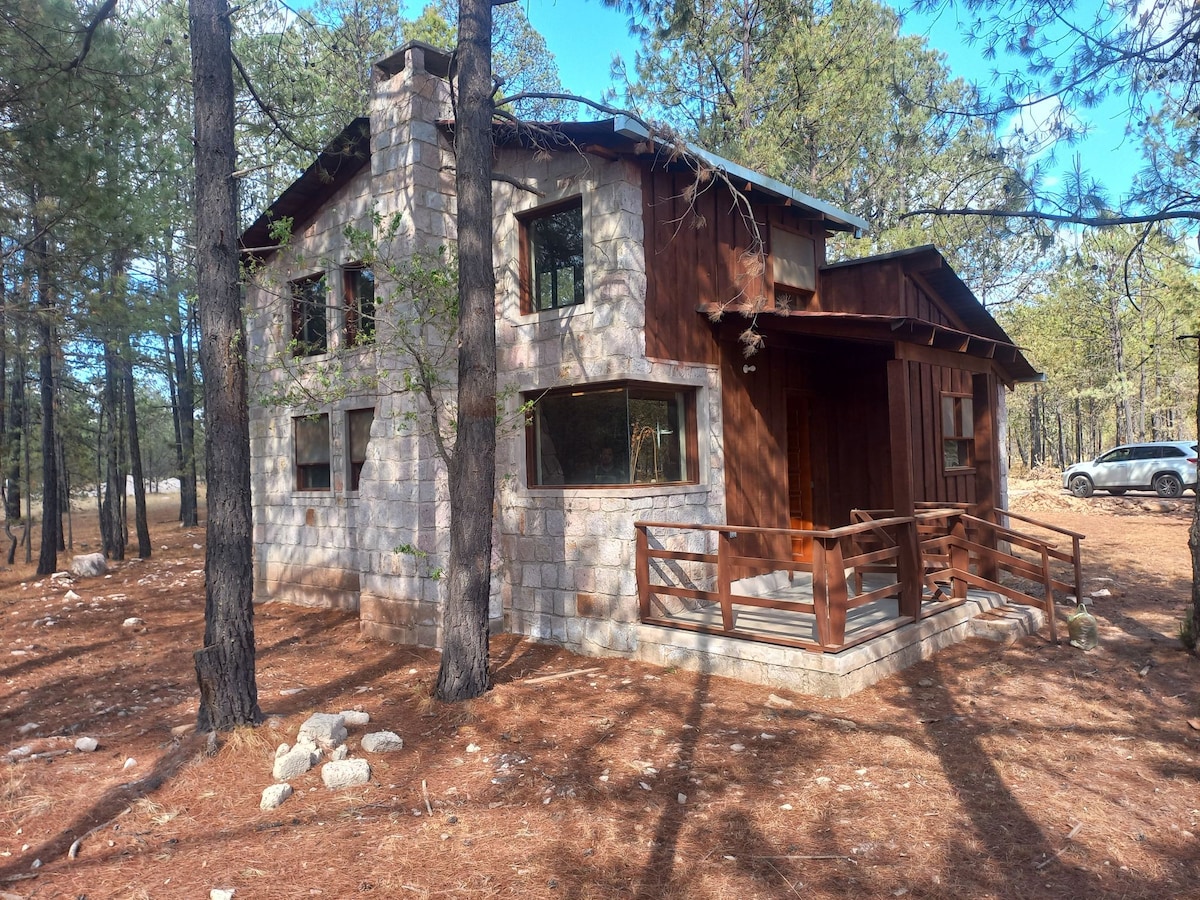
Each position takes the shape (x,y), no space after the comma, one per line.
(294,763)
(273,795)
(355,717)
(382,742)
(345,773)
(326,730)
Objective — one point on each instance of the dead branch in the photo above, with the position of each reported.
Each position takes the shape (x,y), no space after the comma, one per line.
(105,10)
(74,851)
(270,113)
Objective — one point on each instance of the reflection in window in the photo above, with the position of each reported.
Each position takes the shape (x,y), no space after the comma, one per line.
(556,258)
(958,431)
(358,430)
(615,434)
(312,452)
(308,316)
(358,290)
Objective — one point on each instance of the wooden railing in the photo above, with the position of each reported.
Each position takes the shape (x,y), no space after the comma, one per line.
(925,562)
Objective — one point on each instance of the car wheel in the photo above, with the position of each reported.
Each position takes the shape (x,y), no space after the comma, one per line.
(1116,492)
(1168,485)
(1080,486)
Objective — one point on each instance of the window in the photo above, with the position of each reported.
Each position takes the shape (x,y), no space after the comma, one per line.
(308,316)
(613,434)
(312,452)
(958,431)
(358,290)
(553,258)
(358,433)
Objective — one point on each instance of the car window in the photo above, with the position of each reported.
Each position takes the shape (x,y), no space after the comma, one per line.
(1121,454)
(1172,452)
(1145,453)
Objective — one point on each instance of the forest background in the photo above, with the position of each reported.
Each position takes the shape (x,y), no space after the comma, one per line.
(98,375)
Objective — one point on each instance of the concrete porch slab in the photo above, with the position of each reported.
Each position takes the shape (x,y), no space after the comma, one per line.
(836,674)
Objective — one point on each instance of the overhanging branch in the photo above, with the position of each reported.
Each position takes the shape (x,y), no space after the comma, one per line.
(1166,215)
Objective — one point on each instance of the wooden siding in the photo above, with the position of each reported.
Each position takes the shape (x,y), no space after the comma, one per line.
(927,384)
(694,260)
(885,289)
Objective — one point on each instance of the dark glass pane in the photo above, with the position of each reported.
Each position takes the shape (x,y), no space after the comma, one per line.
(583,438)
(360,304)
(312,439)
(358,426)
(556,254)
(308,315)
(656,437)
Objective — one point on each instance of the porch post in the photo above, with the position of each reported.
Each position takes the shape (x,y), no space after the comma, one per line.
(987,453)
(909,564)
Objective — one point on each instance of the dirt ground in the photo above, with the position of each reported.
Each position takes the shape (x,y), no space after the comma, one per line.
(1021,771)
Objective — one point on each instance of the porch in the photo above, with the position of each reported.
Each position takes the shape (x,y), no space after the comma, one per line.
(882,581)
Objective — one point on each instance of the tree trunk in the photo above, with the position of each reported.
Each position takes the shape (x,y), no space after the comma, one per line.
(135,457)
(464,668)
(51,522)
(225,665)
(112,525)
(186,387)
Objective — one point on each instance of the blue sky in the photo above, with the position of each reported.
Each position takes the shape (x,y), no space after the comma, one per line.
(584,36)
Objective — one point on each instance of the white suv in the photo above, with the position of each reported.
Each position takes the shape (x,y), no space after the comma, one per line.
(1165,467)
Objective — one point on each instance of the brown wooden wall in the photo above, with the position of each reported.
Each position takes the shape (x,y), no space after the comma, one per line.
(882,289)
(694,259)
(927,383)
(846,390)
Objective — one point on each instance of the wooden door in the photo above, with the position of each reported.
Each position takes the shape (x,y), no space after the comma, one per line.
(799,469)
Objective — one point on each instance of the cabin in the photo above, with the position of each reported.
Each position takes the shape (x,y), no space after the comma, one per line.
(716,450)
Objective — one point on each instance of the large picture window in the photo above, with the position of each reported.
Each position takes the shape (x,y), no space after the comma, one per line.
(958,431)
(358,433)
(312,452)
(308,316)
(553,255)
(358,291)
(613,434)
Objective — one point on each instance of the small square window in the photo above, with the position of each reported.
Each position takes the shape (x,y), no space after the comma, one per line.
(358,432)
(308,316)
(958,431)
(358,291)
(553,255)
(312,452)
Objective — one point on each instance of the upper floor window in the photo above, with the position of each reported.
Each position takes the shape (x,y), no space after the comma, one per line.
(312,452)
(958,431)
(614,434)
(308,315)
(358,291)
(552,256)
(358,434)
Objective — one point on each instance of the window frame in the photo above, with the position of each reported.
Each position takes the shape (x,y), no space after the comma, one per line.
(527,222)
(685,393)
(353,332)
(303,302)
(962,415)
(304,469)
(354,466)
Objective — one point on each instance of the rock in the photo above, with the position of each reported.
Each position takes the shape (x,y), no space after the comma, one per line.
(289,692)
(71,596)
(28,727)
(473,748)
(382,742)
(326,729)
(64,577)
(221,894)
(129,763)
(737,748)
(345,773)
(293,764)
(844,724)
(282,750)
(355,717)
(339,753)
(133,622)
(89,565)
(274,795)
(86,744)
(1101,593)
(777,702)
(925,682)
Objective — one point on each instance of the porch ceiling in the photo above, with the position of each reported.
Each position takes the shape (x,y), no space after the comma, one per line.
(889,329)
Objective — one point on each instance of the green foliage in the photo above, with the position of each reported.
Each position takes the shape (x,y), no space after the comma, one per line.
(830,98)
(1103,328)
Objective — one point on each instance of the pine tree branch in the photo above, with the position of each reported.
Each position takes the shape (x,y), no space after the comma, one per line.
(106,10)
(1166,215)
(270,113)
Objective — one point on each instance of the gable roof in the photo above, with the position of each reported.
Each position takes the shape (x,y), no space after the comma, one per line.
(341,160)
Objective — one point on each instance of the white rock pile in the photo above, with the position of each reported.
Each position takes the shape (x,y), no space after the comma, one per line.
(323,735)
